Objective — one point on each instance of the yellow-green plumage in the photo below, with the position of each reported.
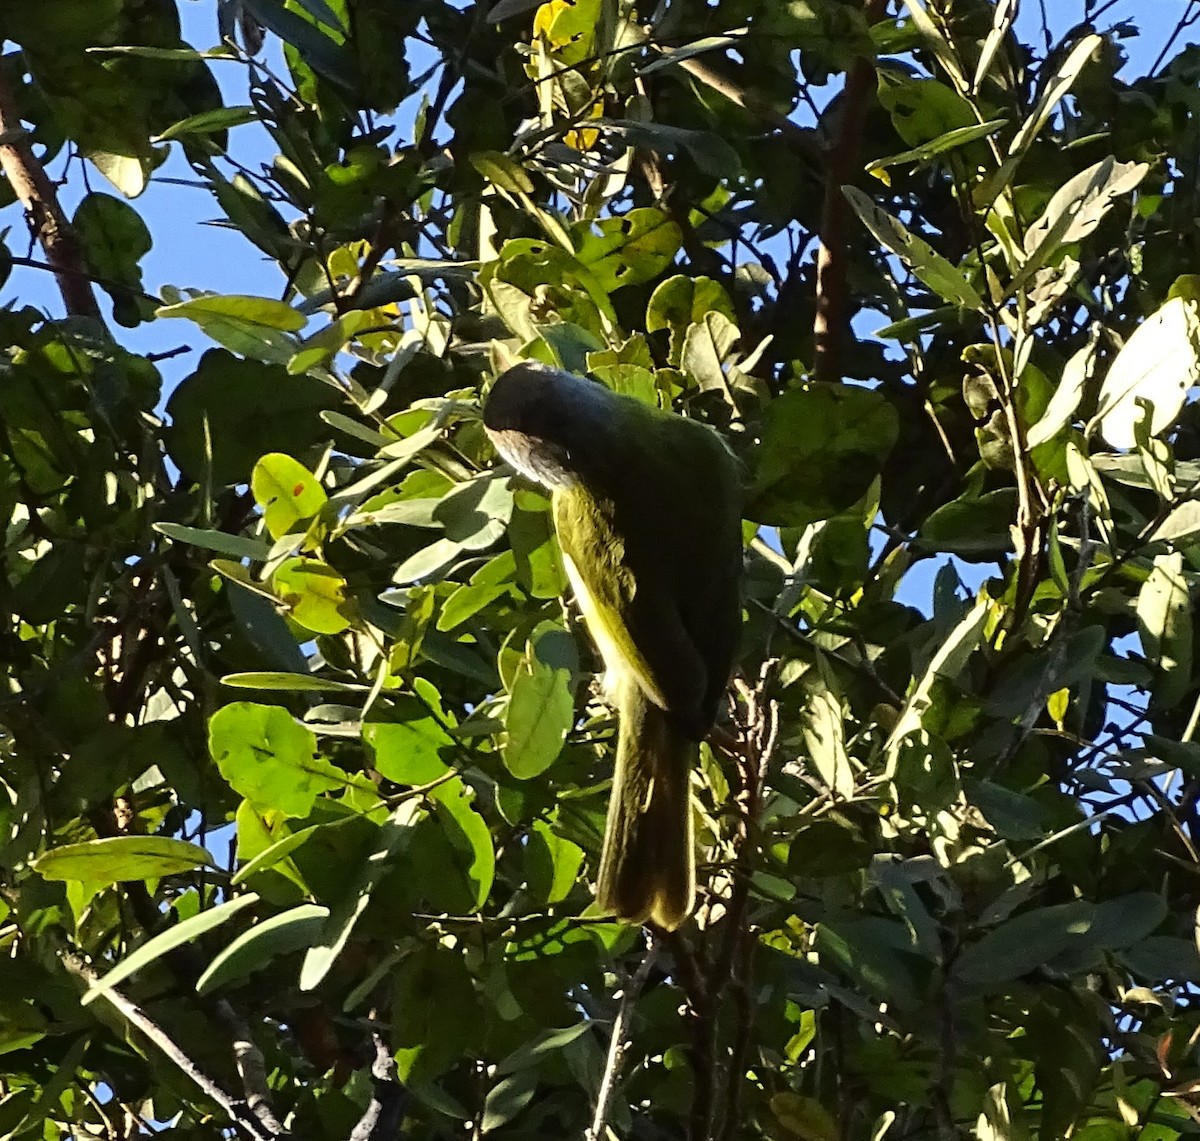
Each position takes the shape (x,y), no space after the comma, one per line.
(646,507)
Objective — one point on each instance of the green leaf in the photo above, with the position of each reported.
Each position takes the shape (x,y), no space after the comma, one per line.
(706,347)
(1078,207)
(878,955)
(502,171)
(408,750)
(475,514)
(128,173)
(269,758)
(507,1098)
(925,774)
(230,412)
(803,1117)
(922,110)
(553,862)
(287,492)
(974,526)
(290,682)
(825,743)
(274,854)
(470,841)
(948,661)
(1164,621)
(209,122)
(182,934)
(924,154)
(539,715)
(1163,958)
(1066,399)
(1128,919)
(1059,84)
(1023,944)
(315,594)
(1181,527)
(115,239)
(428,561)
(435,1011)
(538,560)
(328,57)
(1157,365)
(1014,815)
(238,546)
(708,150)
(264,311)
(393,836)
(916,253)
(822,447)
(627,250)
(493,580)
(529,1054)
(831,846)
(257,948)
(117,859)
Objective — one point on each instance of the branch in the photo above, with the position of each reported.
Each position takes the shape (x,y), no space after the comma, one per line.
(47,222)
(251,1068)
(702,1031)
(384,1115)
(135,1016)
(735,965)
(184,963)
(618,1044)
(832,319)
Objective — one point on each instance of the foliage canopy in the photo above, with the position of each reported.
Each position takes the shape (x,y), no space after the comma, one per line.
(304,769)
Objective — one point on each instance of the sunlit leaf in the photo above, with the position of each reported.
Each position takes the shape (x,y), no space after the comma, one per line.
(1158,365)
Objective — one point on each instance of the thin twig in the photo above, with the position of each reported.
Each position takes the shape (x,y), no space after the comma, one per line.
(136,1017)
(618,1043)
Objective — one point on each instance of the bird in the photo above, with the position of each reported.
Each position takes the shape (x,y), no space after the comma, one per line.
(647,507)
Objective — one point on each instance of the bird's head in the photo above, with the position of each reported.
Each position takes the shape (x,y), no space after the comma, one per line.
(545,421)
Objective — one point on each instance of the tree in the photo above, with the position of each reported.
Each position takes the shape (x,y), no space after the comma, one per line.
(304,763)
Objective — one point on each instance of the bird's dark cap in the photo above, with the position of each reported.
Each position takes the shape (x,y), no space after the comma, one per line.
(531,397)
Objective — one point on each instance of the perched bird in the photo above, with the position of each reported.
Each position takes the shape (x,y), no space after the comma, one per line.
(647,507)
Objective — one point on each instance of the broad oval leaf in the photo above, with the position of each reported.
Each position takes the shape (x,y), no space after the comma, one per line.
(269,758)
(468,836)
(287,492)
(1158,364)
(1022,944)
(408,750)
(822,447)
(315,593)
(540,714)
(632,248)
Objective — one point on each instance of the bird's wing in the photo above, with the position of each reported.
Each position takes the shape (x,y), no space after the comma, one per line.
(630,609)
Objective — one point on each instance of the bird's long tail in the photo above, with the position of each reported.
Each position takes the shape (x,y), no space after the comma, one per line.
(647,868)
